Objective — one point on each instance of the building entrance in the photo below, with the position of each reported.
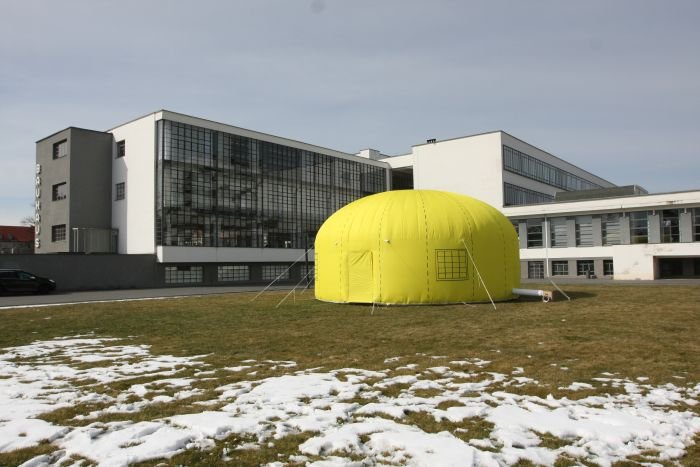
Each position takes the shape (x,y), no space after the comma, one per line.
(669,268)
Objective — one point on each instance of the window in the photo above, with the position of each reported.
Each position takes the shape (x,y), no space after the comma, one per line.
(585,267)
(639,227)
(59,191)
(517,196)
(584,231)
(559,232)
(121,148)
(271,272)
(229,273)
(183,274)
(670,227)
(58,233)
(217,189)
(120,191)
(535,269)
(611,230)
(608,267)
(308,272)
(534,233)
(451,265)
(696,224)
(527,166)
(560,268)
(60,149)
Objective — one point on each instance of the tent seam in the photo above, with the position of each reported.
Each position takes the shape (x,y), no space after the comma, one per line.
(379,251)
(467,217)
(427,251)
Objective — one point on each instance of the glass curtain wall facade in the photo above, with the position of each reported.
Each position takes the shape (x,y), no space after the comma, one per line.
(535,169)
(216,189)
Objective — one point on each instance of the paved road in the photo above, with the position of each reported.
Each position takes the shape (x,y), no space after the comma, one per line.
(64,298)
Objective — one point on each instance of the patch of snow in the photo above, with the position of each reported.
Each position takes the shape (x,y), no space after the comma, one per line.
(600,429)
(577,386)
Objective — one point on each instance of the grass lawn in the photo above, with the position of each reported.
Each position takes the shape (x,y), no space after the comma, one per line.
(628,331)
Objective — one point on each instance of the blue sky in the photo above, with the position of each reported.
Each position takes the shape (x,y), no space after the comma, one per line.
(611,86)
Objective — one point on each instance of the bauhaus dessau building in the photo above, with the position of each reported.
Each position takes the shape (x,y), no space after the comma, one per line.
(210,203)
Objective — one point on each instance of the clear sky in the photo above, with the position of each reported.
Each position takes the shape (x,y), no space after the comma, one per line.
(611,86)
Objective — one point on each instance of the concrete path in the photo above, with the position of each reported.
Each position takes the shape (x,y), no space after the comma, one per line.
(65,298)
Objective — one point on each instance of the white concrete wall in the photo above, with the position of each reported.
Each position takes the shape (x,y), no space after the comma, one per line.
(470,166)
(179,254)
(631,262)
(399,162)
(135,215)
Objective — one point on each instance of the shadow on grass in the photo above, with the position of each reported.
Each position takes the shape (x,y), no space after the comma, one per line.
(575,295)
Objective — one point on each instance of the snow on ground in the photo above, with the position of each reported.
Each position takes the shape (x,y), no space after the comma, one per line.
(351,413)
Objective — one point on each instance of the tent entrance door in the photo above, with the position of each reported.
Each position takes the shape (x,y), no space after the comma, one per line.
(360,277)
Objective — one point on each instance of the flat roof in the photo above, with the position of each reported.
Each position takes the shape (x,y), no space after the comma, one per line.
(263,134)
(69,128)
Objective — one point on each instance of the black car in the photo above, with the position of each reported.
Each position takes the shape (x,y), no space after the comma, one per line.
(14,280)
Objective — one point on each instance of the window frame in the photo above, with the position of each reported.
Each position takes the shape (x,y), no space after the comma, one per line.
(611,229)
(532,231)
(56,152)
(275,271)
(120,191)
(670,226)
(580,271)
(183,274)
(535,270)
(59,233)
(121,149)
(584,231)
(557,270)
(608,267)
(639,234)
(558,232)
(54,191)
(232,273)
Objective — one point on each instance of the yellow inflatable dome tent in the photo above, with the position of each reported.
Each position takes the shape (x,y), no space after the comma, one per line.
(416,247)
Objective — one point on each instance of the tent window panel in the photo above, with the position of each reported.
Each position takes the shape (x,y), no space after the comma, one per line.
(451,265)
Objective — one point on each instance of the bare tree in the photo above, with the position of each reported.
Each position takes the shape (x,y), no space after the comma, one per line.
(27,221)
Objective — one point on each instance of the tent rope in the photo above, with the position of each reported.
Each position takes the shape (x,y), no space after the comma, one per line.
(294,289)
(560,290)
(281,274)
(478,274)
